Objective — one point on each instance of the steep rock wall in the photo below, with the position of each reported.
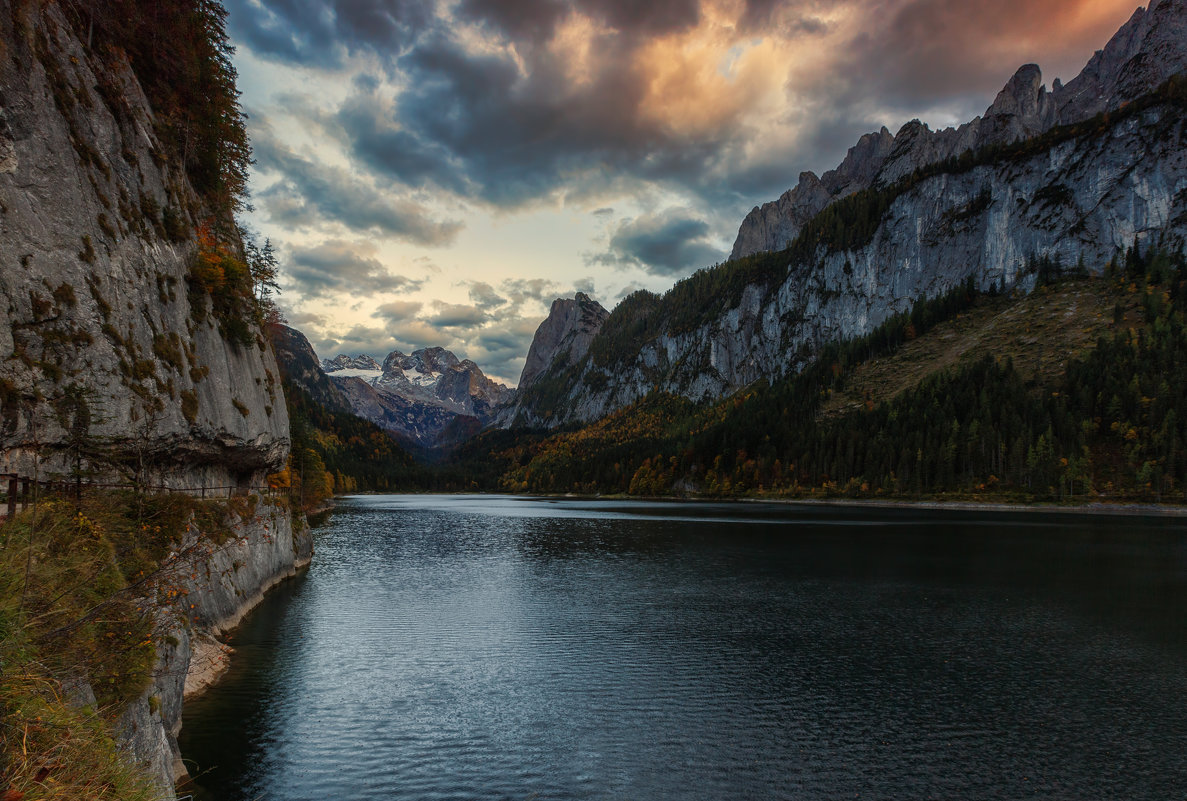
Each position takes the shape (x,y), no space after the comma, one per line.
(96,241)
(218,582)
(106,350)
(1147,50)
(1081,200)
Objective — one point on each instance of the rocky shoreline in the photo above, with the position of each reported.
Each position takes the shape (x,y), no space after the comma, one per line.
(218,586)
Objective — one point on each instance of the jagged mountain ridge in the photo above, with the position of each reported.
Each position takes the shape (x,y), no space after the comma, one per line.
(416,396)
(1076,194)
(1146,51)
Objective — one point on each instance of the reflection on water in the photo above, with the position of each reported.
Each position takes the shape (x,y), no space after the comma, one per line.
(508,648)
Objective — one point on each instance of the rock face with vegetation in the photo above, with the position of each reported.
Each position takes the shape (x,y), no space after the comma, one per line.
(1143,54)
(1072,176)
(132,351)
(563,338)
(126,326)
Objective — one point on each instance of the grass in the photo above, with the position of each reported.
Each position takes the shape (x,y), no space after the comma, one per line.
(66,612)
(1040,331)
(82,585)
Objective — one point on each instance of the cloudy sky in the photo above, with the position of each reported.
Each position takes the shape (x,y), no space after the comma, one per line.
(436,172)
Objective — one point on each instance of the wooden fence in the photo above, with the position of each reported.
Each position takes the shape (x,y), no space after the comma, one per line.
(21,488)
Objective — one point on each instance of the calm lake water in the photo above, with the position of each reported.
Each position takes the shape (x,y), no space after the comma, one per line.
(508,648)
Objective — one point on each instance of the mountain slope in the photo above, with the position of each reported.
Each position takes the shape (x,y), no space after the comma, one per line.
(334,449)
(422,397)
(1095,419)
(1072,194)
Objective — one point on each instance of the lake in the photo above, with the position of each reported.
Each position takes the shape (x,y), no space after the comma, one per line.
(479,647)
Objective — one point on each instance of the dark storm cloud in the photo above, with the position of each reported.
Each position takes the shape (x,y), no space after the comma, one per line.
(930,51)
(669,243)
(510,126)
(517,19)
(337,266)
(321,32)
(653,18)
(473,123)
(787,18)
(310,192)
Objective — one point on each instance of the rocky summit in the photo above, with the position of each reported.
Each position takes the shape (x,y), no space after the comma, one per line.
(422,397)
(1144,53)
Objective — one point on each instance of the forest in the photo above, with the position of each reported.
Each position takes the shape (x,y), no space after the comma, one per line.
(1110,427)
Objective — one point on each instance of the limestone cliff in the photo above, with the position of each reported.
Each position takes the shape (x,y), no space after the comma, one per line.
(1145,52)
(101,336)
(220,576)
(563,338)
(907,218)
(113,364)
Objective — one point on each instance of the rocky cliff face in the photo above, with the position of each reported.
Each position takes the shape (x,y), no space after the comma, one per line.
(1074,195)
(563,338)
(1145,52)
(560,344)
(106,350)
(99,336)
(416,397)
(219,578)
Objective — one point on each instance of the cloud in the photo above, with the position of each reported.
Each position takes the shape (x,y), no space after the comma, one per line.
(511,102)
(348,267)
(628,289)
(521,290)
(426,112)
(672,242)
(310,193)
(457,315)
(398,311)
(301,319)
(324,32)
(356,340)
(500,349)
(485,297)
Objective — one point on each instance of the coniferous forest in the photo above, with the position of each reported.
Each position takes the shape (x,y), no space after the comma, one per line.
(1110,427)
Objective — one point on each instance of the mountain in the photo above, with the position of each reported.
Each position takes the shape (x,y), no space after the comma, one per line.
(1066,393)
(563,338)
(560,343)
(423,398)
(1068,177)
(1144,53)
(300,368)
(328,437)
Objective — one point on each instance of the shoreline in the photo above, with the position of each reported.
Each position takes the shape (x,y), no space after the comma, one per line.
(1095,508)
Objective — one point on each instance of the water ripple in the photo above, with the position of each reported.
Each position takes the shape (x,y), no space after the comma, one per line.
(501,648)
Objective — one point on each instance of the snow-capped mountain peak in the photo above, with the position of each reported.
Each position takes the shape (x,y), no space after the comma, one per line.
(417,394)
